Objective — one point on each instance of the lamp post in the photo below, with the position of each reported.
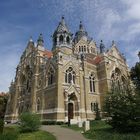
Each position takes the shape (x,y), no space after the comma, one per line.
(139,56)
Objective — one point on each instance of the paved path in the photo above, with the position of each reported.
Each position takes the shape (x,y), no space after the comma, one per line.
(63,133)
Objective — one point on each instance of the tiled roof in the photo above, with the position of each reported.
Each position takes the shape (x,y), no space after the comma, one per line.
(48,54)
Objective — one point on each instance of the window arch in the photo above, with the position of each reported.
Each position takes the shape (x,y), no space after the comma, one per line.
(51,76)
(92,83)
(70,75)
(61,38)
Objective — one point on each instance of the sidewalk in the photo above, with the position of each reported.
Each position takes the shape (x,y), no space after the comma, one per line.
(63,133)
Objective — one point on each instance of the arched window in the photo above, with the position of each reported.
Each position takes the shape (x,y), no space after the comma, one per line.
(51,76)
(82,48)
(68,39)
(38,105)
(61,38)
(70,75)
(92,83)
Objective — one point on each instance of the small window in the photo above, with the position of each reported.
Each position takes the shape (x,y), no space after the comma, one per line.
(94,106)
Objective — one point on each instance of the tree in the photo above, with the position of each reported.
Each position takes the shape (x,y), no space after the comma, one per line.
(135,75)
(123,109)
(3,102)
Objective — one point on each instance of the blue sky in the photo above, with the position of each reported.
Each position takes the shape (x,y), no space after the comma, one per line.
(108,20)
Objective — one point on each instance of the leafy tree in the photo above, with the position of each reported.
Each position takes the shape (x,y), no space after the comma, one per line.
(29,122)
(135,75)
(123,108)
(3,102)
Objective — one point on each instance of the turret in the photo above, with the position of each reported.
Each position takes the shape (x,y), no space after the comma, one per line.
(80,33)
(62,36)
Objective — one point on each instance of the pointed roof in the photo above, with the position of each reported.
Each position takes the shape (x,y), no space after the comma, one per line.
(81,32)
(62,27)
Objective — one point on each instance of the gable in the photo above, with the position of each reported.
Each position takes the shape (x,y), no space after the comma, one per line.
(115,53)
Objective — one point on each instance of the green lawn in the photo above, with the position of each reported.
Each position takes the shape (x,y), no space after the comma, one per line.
(102,131)
(12,133)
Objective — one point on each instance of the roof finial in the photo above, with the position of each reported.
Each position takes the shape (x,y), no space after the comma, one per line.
(102,47)
(31,39)
(63,20)
(81,26)
(113,42)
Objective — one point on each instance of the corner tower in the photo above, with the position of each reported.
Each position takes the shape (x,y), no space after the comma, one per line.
(62,37)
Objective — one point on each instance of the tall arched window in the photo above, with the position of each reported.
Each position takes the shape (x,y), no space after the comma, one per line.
(68,39)
(38,105)
(82,48)
(79,48)
(51,76)
(92,83)
(70,75)
(61,38)
(118,81)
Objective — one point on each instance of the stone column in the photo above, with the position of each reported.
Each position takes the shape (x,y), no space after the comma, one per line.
(66,110)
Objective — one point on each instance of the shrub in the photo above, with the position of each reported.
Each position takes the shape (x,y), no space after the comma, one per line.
(29,122)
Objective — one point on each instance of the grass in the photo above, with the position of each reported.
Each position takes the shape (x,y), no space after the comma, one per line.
(12,133)
(99,130)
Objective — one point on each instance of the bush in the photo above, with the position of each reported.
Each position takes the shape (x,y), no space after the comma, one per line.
(29,122)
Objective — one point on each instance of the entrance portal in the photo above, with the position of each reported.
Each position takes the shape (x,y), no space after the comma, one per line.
(70,110)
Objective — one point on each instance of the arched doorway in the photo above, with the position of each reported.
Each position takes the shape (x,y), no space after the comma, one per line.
(70,110)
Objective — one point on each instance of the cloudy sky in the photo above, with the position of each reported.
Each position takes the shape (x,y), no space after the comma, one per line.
(108,20)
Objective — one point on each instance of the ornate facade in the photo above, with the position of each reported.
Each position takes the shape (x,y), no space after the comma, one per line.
(68,81)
